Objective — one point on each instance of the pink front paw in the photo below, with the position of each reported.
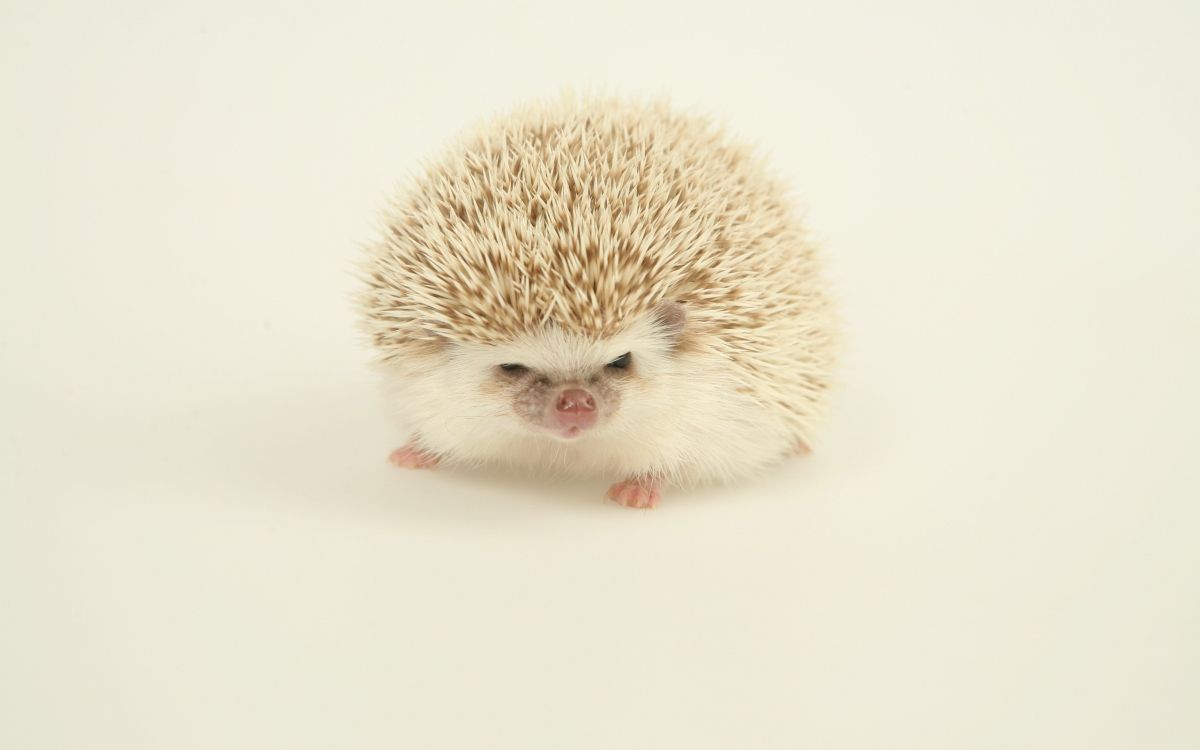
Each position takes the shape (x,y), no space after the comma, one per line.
(635,493)
(409,456)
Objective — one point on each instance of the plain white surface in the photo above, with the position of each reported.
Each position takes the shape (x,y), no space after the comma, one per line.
(995,546)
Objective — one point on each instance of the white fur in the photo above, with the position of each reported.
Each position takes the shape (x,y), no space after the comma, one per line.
(680,418)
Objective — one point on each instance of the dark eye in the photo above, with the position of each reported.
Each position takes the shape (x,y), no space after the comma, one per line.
(513,369)
(621,362)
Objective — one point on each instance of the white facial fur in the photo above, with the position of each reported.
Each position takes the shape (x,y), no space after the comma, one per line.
(677,412)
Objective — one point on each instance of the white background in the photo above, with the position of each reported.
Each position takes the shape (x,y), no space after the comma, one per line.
(994,546)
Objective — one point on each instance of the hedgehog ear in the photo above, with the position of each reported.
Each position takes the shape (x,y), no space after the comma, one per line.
(671,316)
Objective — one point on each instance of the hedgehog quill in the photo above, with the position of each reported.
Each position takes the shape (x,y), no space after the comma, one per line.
(602,288)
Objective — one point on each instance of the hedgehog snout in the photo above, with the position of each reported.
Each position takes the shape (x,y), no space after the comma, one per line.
(575,409)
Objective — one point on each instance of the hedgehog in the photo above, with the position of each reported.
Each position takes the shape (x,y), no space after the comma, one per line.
(604,288)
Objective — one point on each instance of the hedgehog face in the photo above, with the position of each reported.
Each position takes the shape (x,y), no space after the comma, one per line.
(566,387)
(565,403)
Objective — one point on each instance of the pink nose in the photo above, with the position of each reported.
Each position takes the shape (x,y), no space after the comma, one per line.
(575,407)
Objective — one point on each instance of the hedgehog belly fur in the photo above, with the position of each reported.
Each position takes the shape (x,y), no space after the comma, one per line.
(688,424)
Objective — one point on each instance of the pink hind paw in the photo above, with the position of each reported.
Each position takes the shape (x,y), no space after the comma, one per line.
(635,493)
(409,456)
